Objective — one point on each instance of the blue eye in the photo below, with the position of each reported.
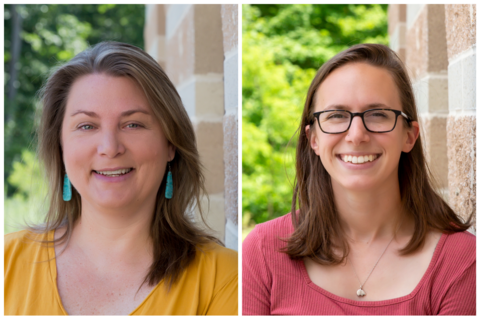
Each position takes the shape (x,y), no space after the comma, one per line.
(133,125)
(86,127)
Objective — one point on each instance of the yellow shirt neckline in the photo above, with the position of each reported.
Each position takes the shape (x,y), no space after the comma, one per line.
(53,274)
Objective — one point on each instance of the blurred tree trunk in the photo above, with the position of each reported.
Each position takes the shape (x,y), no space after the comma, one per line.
(16,48)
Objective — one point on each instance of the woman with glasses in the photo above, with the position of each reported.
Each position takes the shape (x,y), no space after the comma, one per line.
(124,173)
(367,234)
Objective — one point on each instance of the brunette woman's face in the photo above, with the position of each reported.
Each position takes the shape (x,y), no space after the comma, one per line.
(114,150)
(357,87)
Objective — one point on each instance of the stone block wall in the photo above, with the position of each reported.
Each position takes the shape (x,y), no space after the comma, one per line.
(437,44)
(197,47)
(230,120)
(460,25)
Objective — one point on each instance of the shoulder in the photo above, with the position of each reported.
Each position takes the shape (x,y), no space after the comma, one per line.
(273,230)
(214,253)
(460,248)
(216,261)
(453,275)
(267,239)
(20,249)
(455,255)
(15,237)
(20,241)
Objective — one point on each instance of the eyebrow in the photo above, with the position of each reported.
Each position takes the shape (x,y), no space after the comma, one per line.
(123,114)
(368,106)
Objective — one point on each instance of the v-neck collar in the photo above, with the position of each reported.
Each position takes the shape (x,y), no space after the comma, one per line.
(53,277)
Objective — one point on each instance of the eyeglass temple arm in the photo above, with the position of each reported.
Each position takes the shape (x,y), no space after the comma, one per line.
(405,116)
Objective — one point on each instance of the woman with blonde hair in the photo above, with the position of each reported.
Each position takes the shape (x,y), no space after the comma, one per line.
(370,235)
(123,169)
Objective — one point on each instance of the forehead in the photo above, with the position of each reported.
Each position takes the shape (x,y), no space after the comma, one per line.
(104,93)
(356,86)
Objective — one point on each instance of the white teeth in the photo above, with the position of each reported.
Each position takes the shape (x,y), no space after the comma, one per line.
(114,173)
(359,159)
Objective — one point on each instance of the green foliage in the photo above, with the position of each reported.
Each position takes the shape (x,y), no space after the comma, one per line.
(283,46)
(53,34)
(25,206)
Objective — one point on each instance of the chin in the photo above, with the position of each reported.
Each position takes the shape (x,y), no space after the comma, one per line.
(113,204)
(113,200)
(356,184)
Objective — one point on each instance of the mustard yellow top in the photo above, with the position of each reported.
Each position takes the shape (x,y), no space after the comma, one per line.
(209,286)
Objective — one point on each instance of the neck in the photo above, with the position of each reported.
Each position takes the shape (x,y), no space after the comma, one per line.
(367,215)
(108,236)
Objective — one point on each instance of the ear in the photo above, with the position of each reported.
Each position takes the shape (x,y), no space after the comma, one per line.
(412,136)
(312,139)
(171,151)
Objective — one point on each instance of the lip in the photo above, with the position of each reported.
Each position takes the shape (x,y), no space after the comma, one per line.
(113,169)
(121,178)
(358,166)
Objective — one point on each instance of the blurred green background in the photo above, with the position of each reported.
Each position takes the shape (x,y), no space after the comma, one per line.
(283,47)
(37,38)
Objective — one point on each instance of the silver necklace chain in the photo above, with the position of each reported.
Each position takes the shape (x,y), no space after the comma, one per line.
(361,292)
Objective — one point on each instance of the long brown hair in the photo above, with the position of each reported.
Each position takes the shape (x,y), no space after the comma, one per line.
(317,226)
(175,237)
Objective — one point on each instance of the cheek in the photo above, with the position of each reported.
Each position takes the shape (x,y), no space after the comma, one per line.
(74,157)
(326,145)
(152,152)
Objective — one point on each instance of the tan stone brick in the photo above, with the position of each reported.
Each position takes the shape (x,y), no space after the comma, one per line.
(396,13)
(437,41)
(154,25)
(426,42)
(209,98)
(181,51)
(208,39)
(213,213)
(229,15)
(434,137)
(460,22)
(461,144)
(210,146)
(417,46)
(230,156)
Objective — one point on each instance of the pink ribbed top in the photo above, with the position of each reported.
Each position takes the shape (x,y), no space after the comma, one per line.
(275,284)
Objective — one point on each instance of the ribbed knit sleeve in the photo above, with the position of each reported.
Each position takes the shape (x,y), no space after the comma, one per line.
(461,297)
(256,278)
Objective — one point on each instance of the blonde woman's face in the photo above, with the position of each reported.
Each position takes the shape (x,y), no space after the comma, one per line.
(357,87)
(114,150)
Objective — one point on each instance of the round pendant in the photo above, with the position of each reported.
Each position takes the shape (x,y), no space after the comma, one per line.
(361,293)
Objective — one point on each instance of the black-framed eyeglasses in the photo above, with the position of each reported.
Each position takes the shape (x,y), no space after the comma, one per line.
(374,120)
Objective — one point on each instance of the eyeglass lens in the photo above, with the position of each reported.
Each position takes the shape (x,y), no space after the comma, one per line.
(375,120)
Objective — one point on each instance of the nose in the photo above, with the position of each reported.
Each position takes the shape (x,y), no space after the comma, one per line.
(357,133)
(110,144)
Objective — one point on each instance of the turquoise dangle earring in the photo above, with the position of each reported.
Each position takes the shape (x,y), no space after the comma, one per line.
(169,189)
(67,189)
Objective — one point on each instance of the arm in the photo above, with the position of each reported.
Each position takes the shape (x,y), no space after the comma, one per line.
(256,279)
(460,298)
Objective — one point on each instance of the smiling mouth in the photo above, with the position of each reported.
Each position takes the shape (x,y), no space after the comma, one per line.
(358,159)
(114,173)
